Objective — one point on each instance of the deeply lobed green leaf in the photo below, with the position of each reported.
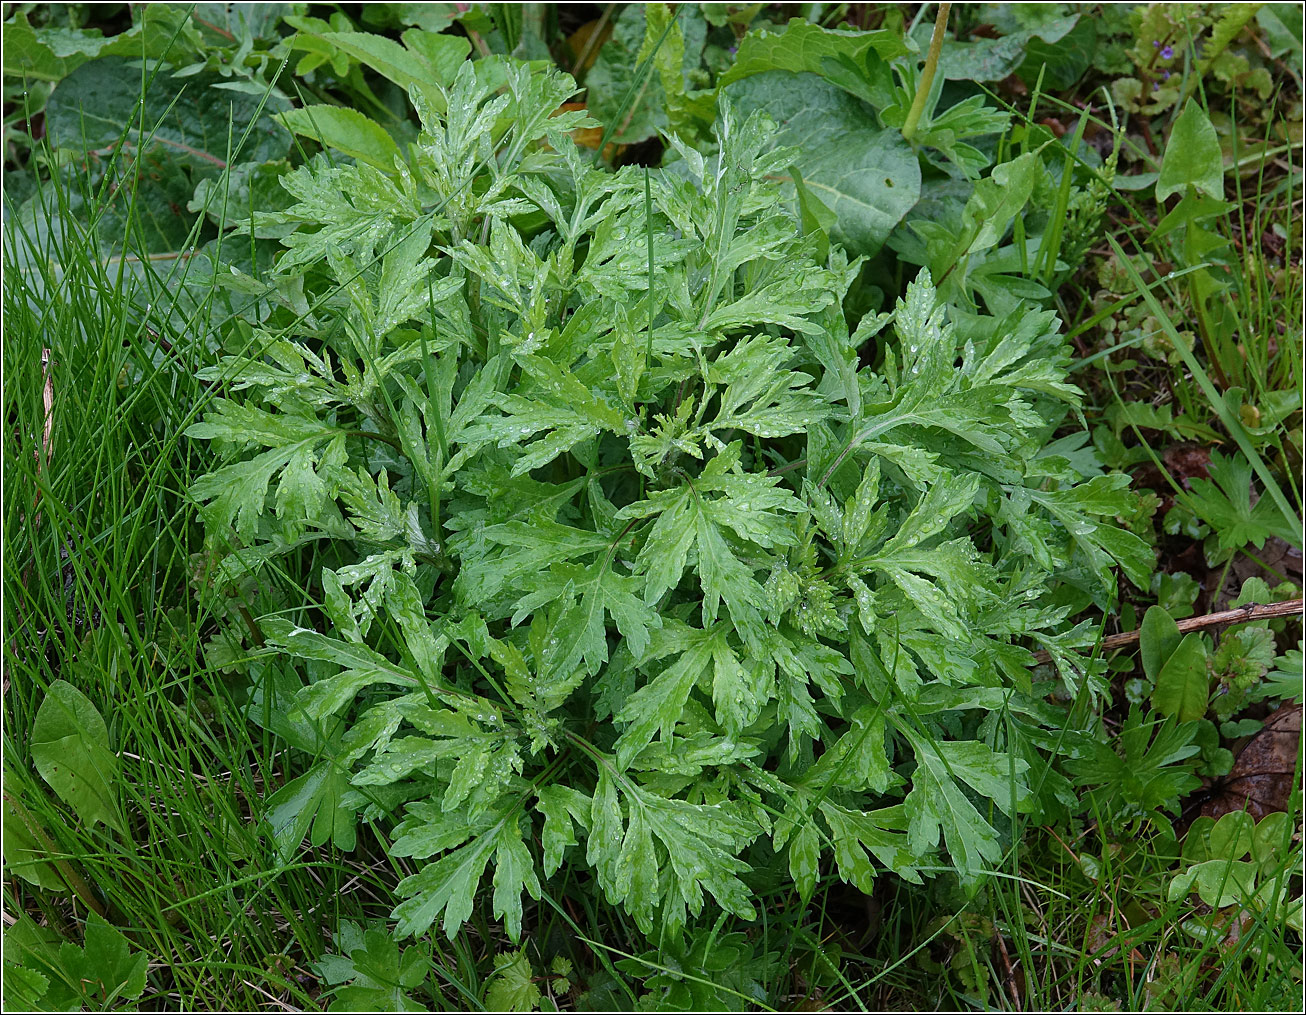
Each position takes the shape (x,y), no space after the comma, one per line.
(664,581)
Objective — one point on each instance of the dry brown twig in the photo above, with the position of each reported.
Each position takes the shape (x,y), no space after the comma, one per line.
(1252,611)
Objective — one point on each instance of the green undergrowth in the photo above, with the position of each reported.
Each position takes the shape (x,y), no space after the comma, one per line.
(446,570)
(99,596)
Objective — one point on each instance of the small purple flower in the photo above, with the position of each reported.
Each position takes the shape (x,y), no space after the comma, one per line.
(734,50)
(1156,86)
(1167,53)
(1156,43)
(1167,75)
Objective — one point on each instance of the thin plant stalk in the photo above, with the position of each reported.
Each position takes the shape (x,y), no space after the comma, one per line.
(927,75)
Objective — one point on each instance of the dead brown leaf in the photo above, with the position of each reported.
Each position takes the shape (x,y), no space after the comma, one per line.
(1261,777)
(1186,462)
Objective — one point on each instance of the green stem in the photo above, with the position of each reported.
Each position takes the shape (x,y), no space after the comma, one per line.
(648,230)
(255,632)
(927,75)
(437,420)
(373,436)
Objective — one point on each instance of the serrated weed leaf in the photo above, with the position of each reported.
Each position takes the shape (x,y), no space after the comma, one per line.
(104,969)
(370,973)
(618,539)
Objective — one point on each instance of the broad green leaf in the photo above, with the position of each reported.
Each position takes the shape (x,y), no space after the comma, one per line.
(70,748)
(992,59)
(25,855)
(1192,156)
(996,201)
(347,131)
(1158,639)
(189,121)
(410,64)
(182,131)
(614,88)
(868,177)
(803,46)
(1281,29)
(29,58)
(1269,838)
(443,54)
(817,218)
(1218,883)
(1231,837)
(1183,683)
(1063,61)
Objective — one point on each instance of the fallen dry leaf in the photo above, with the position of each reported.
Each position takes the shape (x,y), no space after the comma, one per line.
(1261,777)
